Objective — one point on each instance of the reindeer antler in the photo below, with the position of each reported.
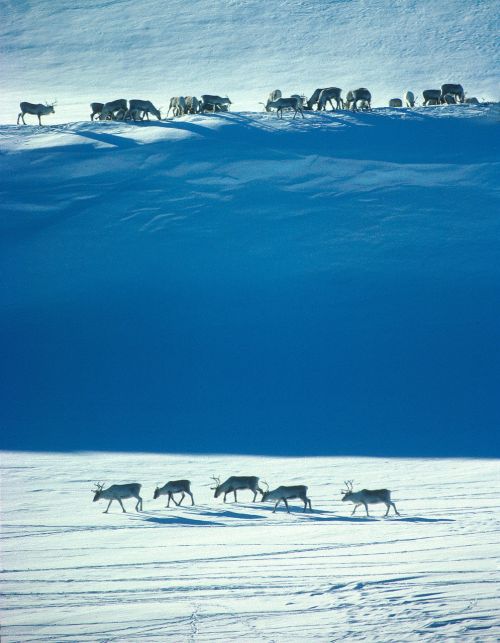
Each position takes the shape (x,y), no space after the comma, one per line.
(348,485)
(264,482)
(217,482)
(98,487)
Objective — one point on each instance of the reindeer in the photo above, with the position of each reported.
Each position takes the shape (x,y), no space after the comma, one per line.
(118,492)
(96,110)
(361,96)
(449,99)
(366,497)
(395,102)
(456,90)
(236,483)
(274,95)
(177,105)
(37,110)
(314,98)
(209,101)
(192,105)
(110,109)
(174,486)
(136,106)
(294,102)
(409,99)
(287,493)
(327,95)
(431,96)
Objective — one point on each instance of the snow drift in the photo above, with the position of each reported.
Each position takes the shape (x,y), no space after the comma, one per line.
(237,283)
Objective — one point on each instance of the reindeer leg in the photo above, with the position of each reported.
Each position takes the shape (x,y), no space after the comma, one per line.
(354,510)
(139,504)
(366,507)
(192,499)
(397,512)
(388,507)
(277,503)
(254,495)
(169,498)
(235,496)
(109,503)
(286,505)
(123,508)
(182,498)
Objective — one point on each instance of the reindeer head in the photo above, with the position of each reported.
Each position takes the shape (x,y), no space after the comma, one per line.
(97,491)
(347,492)
(157,492)
(217,487)
(266,492)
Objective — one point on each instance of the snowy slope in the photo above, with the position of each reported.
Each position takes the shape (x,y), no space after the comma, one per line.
(240,284)
(78,52)
(216,572)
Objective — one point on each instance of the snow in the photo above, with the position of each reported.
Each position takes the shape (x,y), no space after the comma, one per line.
(228,277)
(230,571)
(324,288)
(79,52)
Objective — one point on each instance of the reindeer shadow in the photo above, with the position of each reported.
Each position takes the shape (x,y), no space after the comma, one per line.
(175,520)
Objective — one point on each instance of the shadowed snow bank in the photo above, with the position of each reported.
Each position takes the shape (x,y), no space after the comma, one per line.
(239,284)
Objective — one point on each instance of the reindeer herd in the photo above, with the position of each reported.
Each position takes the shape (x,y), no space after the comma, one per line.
(356,99)
(234,484)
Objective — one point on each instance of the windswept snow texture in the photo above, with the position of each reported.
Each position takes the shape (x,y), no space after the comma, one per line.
(227,572)
(236,283)
(79,51)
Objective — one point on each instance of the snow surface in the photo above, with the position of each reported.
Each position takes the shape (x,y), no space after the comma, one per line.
(98,50)
(236,283)
(224,572)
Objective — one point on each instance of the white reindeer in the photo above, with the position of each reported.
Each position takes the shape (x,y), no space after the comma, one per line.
(409,99)
(174,486)
(35,109)
(366,497)
(210,102)
(236,483)
(177,105)
(118,492)
(294,102)
(192,105)
(287,493)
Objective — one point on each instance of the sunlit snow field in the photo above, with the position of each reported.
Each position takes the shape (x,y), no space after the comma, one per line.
(221,572)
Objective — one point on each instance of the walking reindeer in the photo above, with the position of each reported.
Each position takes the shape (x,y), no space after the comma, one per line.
(174,486)
(283,494)
(118,492)
(236,483)
(366,497)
